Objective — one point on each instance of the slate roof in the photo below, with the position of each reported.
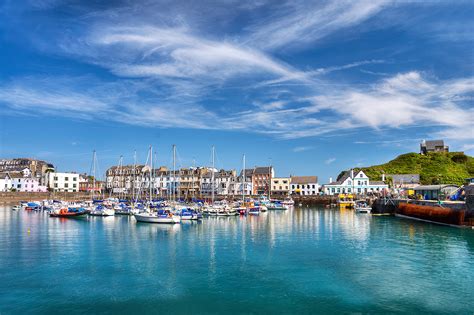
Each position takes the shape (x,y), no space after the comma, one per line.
(405,178)
(304,179)
(263,170)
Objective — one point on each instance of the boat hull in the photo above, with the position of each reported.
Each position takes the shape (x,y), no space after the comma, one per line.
(151,218)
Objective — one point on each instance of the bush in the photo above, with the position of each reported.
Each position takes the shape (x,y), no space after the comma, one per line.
(459,158)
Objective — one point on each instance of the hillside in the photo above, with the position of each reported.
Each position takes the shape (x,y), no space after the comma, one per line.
(434,168)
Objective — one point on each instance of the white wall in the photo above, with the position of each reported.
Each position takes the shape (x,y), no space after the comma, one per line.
(62,181)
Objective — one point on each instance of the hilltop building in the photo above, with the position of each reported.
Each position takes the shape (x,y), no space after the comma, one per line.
(304,185)
(358,183)
(37,168)
(433,146)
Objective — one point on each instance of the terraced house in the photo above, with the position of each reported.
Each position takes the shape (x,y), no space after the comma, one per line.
(358,183)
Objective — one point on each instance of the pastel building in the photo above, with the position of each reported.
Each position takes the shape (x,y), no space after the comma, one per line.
(22,183)
(358,183)
(281,186)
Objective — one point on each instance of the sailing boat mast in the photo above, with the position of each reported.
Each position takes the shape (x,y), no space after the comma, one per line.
(151,172)
(212,175)
(121,178)
(243,179)
(133,175)
(174,171)
(93,174)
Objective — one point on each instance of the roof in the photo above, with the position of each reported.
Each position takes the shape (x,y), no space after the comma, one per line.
(263,170)
(405,178)
(377,182)
(248,172)
(433,143)
(341,180)
(16,175)
(434,187)
(304,179)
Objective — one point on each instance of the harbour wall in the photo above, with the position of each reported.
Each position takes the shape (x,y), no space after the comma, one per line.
(15,197)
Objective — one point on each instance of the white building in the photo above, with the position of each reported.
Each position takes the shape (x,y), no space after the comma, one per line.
(68,182)
(23,183)
(357,183)
(5,182)
(304,185)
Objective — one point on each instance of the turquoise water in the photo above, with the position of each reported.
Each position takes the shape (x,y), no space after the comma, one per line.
(300,261)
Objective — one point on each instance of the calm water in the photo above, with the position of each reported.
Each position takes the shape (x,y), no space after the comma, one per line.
(300,261)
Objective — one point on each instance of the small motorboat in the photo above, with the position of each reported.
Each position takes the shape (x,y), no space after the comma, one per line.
(361,206)
(276,206)
(254,211)
(101,211)
(16,208)
(69,213)
(162,216)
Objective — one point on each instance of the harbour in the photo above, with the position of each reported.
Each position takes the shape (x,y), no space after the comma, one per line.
(303,260)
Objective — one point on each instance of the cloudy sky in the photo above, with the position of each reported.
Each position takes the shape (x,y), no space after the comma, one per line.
(310,87)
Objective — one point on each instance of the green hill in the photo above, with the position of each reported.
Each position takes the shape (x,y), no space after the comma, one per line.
(434,168)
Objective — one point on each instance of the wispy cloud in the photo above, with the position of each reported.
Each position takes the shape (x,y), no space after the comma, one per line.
(300,22)
(330,161)
(302,149)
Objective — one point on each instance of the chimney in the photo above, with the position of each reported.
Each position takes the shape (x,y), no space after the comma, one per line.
(330,179)
(383,177)
(352,173)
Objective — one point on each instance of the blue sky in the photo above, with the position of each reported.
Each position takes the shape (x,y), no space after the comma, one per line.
(310,87)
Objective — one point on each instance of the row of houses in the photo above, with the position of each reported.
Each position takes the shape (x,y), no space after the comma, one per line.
(187,182)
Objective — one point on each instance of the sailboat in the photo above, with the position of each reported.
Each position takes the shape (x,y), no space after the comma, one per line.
(100,210)
(163,215)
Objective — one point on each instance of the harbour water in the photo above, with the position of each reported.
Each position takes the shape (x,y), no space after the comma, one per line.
(283,262)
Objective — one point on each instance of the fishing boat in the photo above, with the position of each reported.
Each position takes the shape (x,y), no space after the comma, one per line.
(361,206)
(345,201)
(162,216)
(69,213)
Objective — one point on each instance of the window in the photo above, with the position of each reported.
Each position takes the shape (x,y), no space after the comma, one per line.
(66,178)
(358,190)
(18,186)
(74,178)
(55,178)
(333,190)
(298,186)
(73,185)
(66,185)
(358,182)
(361,175)
(349,182)
(55,185)
(314,186)
(365,182)
(339,190)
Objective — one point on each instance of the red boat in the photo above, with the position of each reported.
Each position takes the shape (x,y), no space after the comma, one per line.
(67,213)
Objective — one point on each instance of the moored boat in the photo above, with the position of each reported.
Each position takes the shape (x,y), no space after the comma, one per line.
(69,213)
(162,216)
(361,206)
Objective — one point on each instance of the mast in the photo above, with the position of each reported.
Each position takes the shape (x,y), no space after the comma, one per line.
(133,175)
(192,178)
(243,179)
(93,174)
(121,178)
(212,175)
(174,170)
(154,175)
(151,172)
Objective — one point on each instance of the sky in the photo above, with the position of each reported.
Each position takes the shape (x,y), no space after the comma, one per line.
(310,87)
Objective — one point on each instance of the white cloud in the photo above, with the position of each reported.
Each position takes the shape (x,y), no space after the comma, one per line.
(304,22)
(302,149)
(330,161)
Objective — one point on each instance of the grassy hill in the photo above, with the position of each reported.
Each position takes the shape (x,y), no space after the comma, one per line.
(434,168)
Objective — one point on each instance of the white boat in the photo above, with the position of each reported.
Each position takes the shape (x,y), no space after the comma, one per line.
(161,216)
(102,212)
(16,208)
(361,206)
(288,202)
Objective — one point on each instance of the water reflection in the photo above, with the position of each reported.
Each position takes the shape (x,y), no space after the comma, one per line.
(300,254)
